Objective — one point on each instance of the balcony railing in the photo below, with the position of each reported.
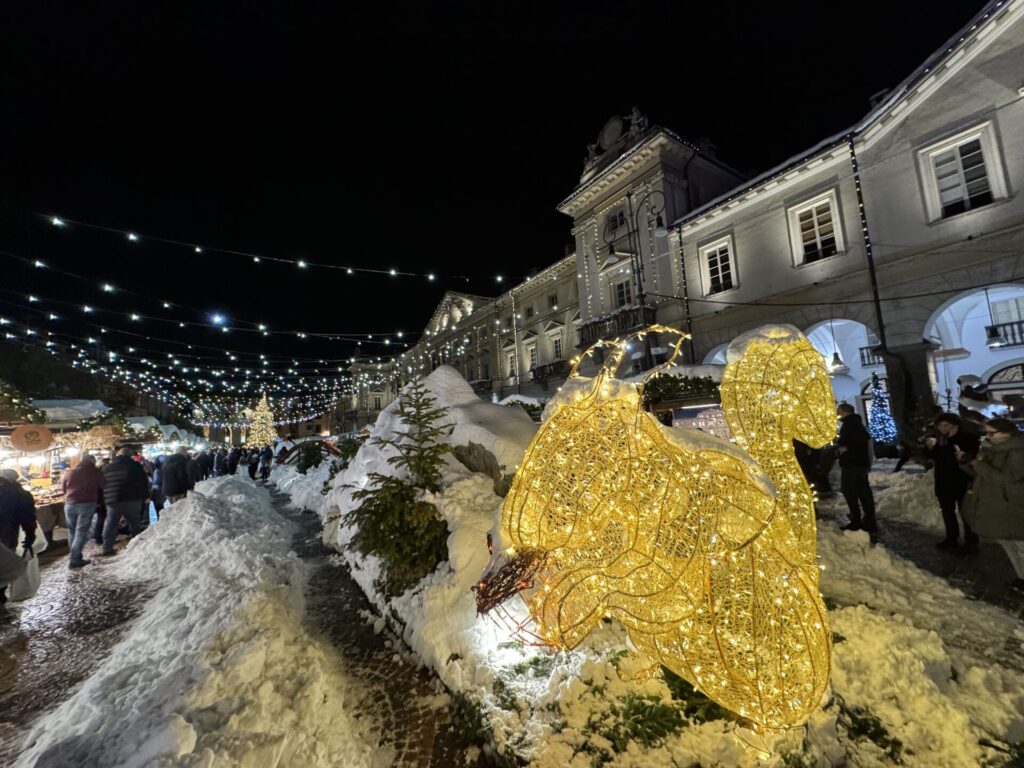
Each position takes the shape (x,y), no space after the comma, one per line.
(555,369)
(481,386)
(623,321)
(1012,333)
(869,358)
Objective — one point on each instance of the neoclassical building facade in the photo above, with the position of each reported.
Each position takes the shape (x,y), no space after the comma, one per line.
(897,245)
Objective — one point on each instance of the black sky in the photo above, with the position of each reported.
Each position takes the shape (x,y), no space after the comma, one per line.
(423,136)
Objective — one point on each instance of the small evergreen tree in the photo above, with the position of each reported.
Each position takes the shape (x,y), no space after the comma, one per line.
(14,406)
(420,449)
(310,455)
(347,449)
(880,424)
(393,521)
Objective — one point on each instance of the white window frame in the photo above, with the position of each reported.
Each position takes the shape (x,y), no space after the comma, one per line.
(552,338)
(510,359)
(796,242)
(705,265)
(532,357)
(378,401)
(613,285)
(985,134)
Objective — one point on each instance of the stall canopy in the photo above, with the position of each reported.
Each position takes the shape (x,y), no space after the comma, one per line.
(69,411)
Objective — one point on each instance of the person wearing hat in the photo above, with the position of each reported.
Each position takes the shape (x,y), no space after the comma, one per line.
(82,486)
(17,510)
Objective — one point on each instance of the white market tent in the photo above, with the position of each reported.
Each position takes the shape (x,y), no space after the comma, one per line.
(63,411)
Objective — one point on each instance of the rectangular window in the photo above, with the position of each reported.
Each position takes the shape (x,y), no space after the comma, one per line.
(529,311)
(377,404)
(962,179)
(531,353)
(719,267)
(817,232)
(622,294)
(616,219)
(553,300)
(556,347)
(487,370)
(1008,311)
(962,172)
(511,364)
(508,321)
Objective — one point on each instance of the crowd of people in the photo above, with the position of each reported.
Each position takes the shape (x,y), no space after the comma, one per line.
(978,471)
(116,496)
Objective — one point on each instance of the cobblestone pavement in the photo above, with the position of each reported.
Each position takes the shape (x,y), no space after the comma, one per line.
(422,733)
(50,643)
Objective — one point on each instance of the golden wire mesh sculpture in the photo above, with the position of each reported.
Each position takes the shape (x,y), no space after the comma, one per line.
(703,551)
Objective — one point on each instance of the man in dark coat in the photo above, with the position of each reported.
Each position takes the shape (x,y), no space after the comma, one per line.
(950,447)
(205,462)
(176,475)
(233,458)
(854,465)
(125,492)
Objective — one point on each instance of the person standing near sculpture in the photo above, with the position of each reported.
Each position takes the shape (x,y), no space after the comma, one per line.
(81,486)
(853,448)
(995,504)
(950,447)
(126,489)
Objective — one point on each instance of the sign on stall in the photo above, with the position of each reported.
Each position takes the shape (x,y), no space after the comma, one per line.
(31,438)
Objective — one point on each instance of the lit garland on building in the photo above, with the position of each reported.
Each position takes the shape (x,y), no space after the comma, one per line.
(704,552)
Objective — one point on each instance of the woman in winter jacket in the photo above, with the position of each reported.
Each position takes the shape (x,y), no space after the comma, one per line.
(995,504)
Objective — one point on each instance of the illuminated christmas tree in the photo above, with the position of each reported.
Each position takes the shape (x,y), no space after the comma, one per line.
(261,428)
(880,423)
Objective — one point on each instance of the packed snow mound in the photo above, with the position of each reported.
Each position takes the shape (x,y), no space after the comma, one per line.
(218,670)
(503,431)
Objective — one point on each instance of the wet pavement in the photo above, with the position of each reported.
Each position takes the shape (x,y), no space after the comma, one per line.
(404,698)
(52,642)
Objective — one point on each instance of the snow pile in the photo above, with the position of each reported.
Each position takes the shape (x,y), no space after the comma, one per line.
(305,491)
(218,670)
(904,497)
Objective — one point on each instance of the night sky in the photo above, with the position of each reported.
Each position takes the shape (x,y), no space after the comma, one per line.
(425,137)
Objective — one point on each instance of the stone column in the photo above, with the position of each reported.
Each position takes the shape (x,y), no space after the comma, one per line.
(908,379)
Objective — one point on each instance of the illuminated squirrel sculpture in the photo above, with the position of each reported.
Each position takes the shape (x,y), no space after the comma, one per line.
(703,550)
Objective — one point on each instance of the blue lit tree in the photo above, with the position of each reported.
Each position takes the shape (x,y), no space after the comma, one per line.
(880,423)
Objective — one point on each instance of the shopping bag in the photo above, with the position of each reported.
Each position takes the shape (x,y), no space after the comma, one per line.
(38,545)
(11,566)
(26,585)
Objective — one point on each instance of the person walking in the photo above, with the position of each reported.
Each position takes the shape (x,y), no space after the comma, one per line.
(254,463)
(81,486)
(176,477)
(205,462)
(156,490)
(948,448)
(853,448)
(266,460)
(994,505)
(17,512)
(126,488)
(234,455)
(220,463)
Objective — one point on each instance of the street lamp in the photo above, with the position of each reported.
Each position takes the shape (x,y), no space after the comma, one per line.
(653,202)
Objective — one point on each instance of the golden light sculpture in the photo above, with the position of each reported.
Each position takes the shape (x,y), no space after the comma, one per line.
(703,550)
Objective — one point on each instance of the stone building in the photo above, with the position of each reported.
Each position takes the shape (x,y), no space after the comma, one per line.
(896,245)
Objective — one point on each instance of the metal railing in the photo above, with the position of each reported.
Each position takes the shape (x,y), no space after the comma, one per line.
(549,370)
(623,321)
(1012,333)
(869,358)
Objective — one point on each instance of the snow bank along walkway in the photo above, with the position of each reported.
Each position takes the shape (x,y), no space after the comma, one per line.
(52,642)
(408,702)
